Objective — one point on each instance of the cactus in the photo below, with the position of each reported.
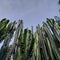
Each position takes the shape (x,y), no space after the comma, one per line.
(43,44)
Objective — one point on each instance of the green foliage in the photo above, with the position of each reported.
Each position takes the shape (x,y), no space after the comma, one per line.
(43,44)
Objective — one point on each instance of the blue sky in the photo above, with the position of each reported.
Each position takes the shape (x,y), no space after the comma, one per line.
(32,12)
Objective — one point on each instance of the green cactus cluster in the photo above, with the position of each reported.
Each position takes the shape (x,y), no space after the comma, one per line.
(43,44)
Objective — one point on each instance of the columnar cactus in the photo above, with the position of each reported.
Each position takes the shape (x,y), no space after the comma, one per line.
(43,44)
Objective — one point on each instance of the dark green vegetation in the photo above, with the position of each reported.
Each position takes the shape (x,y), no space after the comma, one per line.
(43,44)
(59,2)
